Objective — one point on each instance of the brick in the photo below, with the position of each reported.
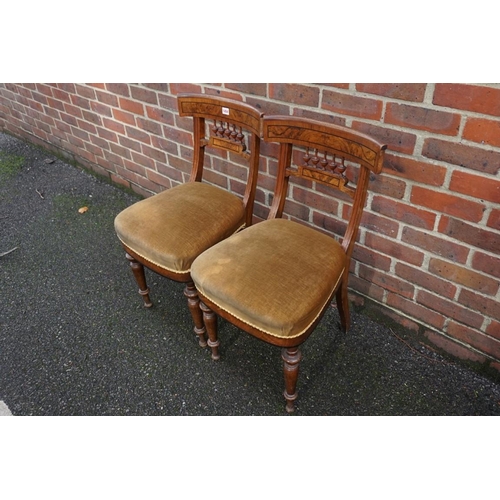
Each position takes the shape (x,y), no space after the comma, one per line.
(160,115)
(44,89)
(177,88)
(101,109)
(493,329)
(130,144)
(494,219)
(403,212)
(486,306)
(81,102)
(131,106)
(453,348)
(73,110)
(69,119)
(118,88)
(483,188)
(439,122)
(379,224)
(482,131)
(107,98)
(94,149)
(323,117)
(331,225)
(120,151)
(366,287)
(426,280)
(313,199)
(396,140)
(138,135)
(463,276)
(487,264)
(133,166)
(435,244)
(54,104)
(352,105)
(143,160)
(472,235)
(249,88)
(123,116)
(294,93)
(144,95)
(394,249)
(107,134)
(149,125)
(89,127)
(388,186)
(85,91)
(475,98)
(450,309)
(103,144)
(414,92)
(153,153)
(67,87)
(416,311)
(372,258)
(463,155)
(92,117)
(476,339)
(159,179)
(447,204)
(61,95)
(113,125)
(386,281)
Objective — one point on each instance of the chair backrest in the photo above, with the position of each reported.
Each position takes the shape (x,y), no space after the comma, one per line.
(322,153)
(233,126)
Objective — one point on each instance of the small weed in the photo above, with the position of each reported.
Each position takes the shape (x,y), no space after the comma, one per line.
(10,165)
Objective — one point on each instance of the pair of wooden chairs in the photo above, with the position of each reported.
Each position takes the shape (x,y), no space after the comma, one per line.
(273,279)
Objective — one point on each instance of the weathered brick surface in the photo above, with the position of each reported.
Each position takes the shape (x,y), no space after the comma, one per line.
(429,246)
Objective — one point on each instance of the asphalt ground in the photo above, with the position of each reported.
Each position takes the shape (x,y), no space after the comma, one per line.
(75,339)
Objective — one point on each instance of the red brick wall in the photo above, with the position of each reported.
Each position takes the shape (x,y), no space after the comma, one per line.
(430,240)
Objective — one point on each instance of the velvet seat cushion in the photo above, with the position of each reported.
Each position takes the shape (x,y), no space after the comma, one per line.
(171,228)
(276,275)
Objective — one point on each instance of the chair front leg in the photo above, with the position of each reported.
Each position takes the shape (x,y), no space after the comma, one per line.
(291,358)
(194,306)
(210,320)
(140,277)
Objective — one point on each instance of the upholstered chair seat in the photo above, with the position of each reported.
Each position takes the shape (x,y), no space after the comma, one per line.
(172,228)
(276,276)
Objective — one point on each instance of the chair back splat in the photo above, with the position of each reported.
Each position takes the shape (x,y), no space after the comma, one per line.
(276,279)
(167,231)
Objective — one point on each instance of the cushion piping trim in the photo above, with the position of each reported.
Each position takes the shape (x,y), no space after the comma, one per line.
(274,334)
(161,266)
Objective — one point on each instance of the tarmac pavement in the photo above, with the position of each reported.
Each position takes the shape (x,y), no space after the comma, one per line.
(75,338)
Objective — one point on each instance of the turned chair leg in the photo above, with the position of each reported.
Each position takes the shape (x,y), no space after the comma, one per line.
(210,319)
(194,306)
(138,270)
(343,305)
(291,358)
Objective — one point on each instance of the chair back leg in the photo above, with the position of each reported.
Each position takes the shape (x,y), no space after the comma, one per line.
(194,306)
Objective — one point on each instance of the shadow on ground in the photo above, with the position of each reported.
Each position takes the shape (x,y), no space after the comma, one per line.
(76,340)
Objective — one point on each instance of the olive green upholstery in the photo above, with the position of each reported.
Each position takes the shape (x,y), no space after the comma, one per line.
(276,275)
(170,229)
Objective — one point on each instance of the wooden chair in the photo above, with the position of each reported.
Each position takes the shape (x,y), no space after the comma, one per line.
(168,230)
(276,279)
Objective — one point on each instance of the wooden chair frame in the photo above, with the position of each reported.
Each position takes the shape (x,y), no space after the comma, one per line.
(231,118)
(341,142)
